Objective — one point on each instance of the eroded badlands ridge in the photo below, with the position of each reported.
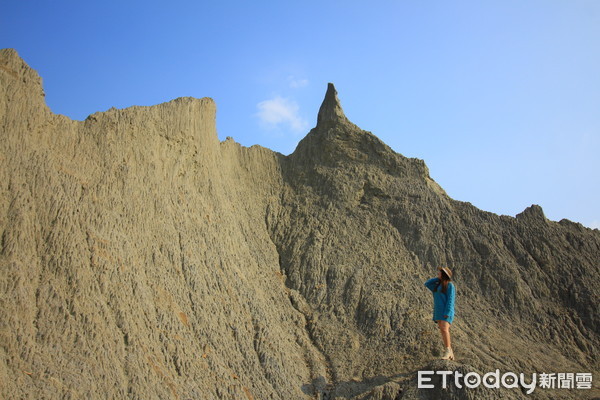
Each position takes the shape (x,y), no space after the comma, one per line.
(142,258)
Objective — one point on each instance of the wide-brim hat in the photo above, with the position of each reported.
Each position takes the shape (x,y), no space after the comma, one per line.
(446,271)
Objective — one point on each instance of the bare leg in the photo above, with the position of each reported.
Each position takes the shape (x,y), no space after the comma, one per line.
(445,331)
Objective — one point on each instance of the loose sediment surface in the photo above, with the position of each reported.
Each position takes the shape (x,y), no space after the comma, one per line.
(142,258)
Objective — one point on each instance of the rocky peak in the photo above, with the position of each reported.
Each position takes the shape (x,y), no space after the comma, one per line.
(21,86)
(15,71)
(331,109)
(335,141)
(532,213)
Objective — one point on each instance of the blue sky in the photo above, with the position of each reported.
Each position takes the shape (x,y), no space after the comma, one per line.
(500,98)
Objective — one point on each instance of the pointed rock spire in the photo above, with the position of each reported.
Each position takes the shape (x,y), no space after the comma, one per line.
(331,110)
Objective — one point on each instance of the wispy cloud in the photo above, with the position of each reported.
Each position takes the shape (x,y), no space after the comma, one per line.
(296,83)
(280,112)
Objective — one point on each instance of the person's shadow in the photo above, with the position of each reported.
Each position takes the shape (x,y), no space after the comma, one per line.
(347,389)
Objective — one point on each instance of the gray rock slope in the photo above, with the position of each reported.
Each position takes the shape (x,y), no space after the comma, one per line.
(142,258)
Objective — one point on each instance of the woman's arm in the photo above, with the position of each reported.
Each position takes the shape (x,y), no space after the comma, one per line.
(432,283)
(450,295)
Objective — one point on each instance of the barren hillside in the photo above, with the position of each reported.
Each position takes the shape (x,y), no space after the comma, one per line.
(142,258)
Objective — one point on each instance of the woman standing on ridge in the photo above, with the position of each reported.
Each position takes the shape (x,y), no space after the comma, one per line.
(444,293)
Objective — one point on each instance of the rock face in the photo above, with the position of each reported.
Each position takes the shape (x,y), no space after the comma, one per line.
(142,258)
(331,111)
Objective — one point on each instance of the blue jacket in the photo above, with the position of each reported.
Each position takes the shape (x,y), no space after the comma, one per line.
(443,303)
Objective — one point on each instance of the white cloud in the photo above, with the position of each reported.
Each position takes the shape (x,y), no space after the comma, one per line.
(280,111)
(297,83)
